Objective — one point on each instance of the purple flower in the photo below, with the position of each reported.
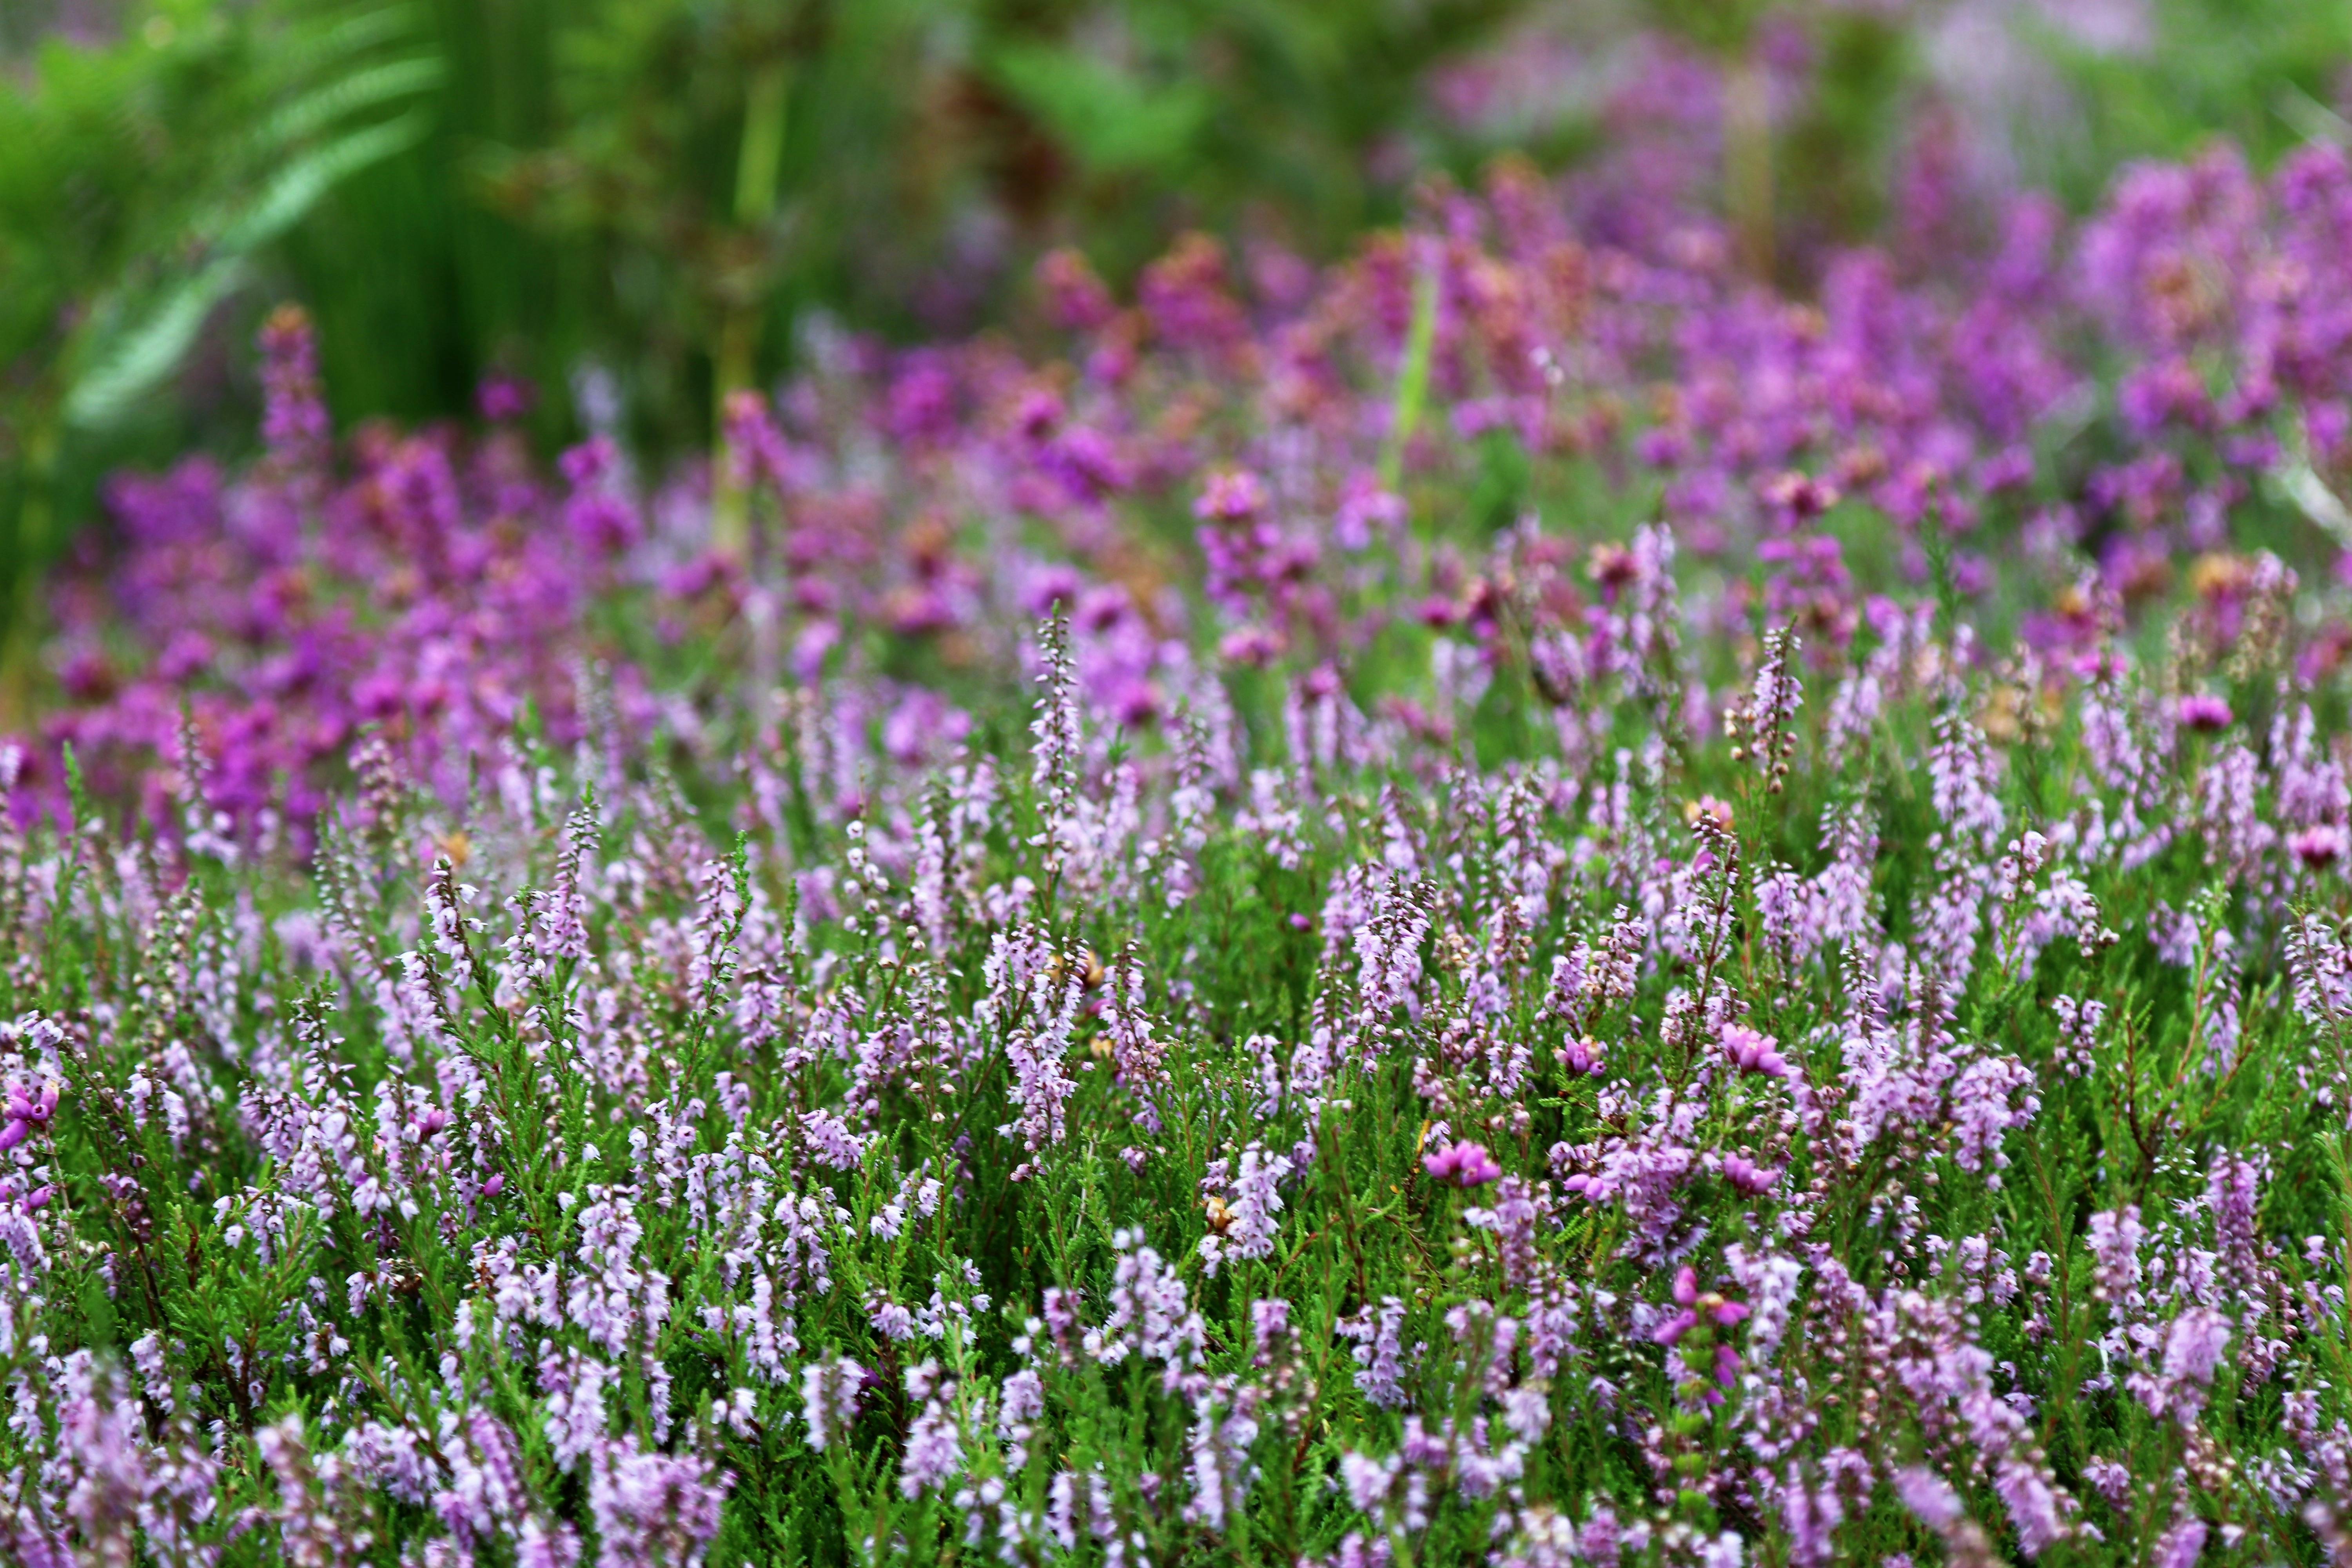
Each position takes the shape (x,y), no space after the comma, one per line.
(1797,498)
(36,1106)
(27,1109)
(829,1392)
(1697,1304)
(1231,496)
(653,1508)
(417,649)
(500,397)
(1243,1225)
(1929,1497)
(2204,712)
(934,1442)
(1753,1052)
(295,422)
(2183,1544)
(2319,846)
(1748,1176)
(1706,1311)
(2193,1350)
(1269,1327)
(1076,298)
(1379,1350)
(1582,1058)
(1463,1165)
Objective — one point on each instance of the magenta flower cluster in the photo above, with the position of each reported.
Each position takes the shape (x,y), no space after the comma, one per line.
(27,1111)
(2185,345)
(1463,1166)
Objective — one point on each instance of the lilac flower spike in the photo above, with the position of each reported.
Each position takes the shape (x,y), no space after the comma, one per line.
(829,1395)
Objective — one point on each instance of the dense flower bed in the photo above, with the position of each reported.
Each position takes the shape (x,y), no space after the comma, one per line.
(1517,904)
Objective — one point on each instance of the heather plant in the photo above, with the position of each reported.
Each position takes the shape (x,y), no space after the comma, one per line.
(1419,444)
(1517,902)
(1850,1137)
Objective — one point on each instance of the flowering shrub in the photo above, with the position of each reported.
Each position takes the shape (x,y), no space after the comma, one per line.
(1506,1028)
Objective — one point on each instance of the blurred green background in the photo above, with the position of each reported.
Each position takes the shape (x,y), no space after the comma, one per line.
(661,195)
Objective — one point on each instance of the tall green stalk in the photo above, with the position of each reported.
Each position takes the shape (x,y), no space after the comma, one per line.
(734,365)
(20,575)
(1747,159)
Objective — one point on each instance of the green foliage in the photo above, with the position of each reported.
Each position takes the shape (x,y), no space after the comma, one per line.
(1168,113)
(1722,27)
(724,165)
(142,183)
(658,187)
(2258,73)
(1837,145)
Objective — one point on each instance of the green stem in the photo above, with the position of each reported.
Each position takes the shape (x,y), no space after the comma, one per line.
(1748,160)
(1412,379)
(757,163)
(27,551)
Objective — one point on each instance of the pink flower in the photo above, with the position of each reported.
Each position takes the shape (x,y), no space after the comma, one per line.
(2319,848)
(1697,1304)
(1748,1177)
(1798,498)
(2204,712)
(1231,496)
(25,1109)
(1929,1497)
(1464,1164)
(1753,1052)
(500,397)
(35,1107)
